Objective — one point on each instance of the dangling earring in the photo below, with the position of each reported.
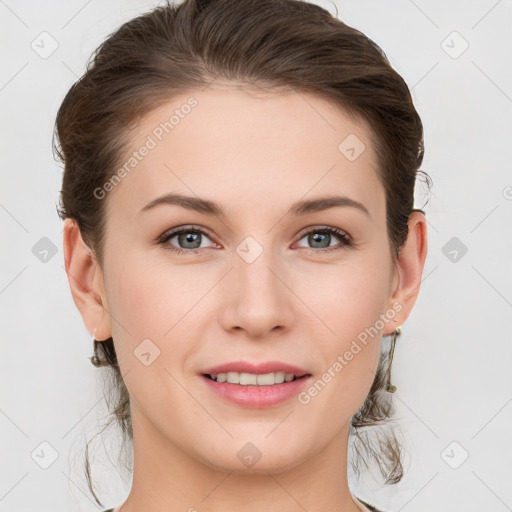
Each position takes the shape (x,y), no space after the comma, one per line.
(95,360)
(389,387)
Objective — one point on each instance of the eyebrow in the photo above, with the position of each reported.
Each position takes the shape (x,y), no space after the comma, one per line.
(208,207)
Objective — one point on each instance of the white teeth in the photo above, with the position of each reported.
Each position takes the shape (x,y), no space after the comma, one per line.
(251,379)
(247,379)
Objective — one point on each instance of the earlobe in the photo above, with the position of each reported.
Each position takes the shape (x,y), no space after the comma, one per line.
(411,261)
(85,281)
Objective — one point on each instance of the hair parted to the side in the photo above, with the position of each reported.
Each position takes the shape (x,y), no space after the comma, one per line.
(268,44)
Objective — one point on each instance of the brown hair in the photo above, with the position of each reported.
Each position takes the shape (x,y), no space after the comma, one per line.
(267,44)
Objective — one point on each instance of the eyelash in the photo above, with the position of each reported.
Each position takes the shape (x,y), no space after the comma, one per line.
(345,239)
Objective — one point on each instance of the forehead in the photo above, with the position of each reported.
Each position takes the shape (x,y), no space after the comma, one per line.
(244,146)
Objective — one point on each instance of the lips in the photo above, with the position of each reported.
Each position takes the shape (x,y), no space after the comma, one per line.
(256,368)
(257,396)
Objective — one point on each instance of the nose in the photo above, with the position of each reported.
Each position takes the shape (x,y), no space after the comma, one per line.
(256,298)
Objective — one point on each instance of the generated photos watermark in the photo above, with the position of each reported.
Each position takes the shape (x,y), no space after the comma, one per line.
(343,360)
(157,135)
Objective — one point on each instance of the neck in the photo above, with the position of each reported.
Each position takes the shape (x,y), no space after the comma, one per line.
(166,478)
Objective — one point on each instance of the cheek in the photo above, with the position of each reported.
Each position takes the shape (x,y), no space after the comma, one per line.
(148,298)
(347,298)
(350,302)
(135,300)
(150,340)
(155,302)
(349,347)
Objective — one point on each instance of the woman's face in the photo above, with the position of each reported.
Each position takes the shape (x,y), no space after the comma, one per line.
(257,280)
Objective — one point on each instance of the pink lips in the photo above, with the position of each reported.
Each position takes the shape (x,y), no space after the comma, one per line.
(256,368)
(257,397)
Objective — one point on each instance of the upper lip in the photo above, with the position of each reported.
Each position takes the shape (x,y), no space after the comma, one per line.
(256,368)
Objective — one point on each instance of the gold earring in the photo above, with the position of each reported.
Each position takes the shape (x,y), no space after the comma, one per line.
(390,388)
(95,360)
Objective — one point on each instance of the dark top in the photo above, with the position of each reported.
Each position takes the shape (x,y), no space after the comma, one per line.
(371,507)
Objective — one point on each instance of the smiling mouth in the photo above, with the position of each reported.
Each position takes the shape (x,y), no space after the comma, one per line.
(250,379)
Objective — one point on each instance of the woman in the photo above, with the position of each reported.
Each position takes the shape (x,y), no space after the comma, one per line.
(241,241)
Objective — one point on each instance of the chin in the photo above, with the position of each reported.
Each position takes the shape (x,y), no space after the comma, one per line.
(256,457)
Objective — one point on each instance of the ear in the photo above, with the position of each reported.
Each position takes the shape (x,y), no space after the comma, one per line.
(409,266)
(86,282)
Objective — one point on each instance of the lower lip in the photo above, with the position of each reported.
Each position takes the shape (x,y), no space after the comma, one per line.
(257,397)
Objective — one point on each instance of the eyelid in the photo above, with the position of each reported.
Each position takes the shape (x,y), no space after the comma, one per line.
(320,227)
(171,233)
(345,238)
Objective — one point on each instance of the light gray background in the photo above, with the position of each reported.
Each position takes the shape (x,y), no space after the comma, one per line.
(453,363)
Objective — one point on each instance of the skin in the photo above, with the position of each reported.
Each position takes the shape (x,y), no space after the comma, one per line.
(256,155)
